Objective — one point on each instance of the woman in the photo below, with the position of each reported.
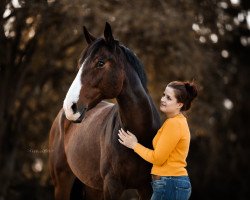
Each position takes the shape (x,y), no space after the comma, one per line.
(171,144)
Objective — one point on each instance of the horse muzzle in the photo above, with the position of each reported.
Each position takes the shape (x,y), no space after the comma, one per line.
(75,113)
(82,115)
(79,110)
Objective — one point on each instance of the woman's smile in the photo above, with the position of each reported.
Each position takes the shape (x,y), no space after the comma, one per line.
(163,104)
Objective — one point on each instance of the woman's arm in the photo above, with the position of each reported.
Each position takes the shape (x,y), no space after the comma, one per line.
(168,140)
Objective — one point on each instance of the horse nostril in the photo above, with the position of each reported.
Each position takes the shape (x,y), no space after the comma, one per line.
(74,108)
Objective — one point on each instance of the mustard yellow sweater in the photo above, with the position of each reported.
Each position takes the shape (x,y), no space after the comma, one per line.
(171,145)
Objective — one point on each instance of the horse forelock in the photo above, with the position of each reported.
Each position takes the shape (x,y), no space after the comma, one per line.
(130,57)
(91,49)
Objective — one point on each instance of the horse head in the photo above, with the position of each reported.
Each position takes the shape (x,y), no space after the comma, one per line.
(100,75)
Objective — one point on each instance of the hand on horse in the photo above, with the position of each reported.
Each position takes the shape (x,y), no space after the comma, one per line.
(128,139)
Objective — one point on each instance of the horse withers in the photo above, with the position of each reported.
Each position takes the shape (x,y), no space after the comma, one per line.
(87,156)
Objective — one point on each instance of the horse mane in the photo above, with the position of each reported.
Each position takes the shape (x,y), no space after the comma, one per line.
(136,64)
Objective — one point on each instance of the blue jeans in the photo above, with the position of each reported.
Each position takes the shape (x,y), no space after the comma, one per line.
(171,188)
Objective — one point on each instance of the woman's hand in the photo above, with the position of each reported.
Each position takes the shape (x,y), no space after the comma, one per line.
(128,139)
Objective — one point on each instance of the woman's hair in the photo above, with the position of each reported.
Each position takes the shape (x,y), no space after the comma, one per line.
(185,92)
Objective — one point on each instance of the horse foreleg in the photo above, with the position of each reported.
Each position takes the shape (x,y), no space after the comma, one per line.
(63,183)
(112,188)
(145,192)
(66,185)
(92,194)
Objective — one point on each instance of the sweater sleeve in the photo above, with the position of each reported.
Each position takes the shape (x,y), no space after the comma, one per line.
(166,143)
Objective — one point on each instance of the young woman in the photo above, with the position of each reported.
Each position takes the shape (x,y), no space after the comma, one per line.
(171,144)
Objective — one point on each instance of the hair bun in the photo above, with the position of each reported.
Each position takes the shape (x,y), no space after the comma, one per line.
(191,89)
(185,92)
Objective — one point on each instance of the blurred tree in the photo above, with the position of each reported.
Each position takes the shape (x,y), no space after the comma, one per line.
(33,58)
(224,27)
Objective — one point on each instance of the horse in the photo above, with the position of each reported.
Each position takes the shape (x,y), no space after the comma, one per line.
(87,160)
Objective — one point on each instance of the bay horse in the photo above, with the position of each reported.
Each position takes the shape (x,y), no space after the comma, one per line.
(87,156)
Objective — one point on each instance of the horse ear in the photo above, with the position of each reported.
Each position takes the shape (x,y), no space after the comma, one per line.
(108,34)
(89,38)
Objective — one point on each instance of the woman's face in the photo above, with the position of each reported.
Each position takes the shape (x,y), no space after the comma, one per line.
(169,104)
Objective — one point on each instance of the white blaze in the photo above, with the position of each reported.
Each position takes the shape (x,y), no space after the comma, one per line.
(73,96)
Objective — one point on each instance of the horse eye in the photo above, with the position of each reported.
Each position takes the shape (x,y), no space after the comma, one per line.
(100,63)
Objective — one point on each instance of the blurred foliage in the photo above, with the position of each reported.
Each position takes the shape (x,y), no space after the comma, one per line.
(203,40)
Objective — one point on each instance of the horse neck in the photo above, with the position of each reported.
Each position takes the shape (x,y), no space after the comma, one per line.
(137,111)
